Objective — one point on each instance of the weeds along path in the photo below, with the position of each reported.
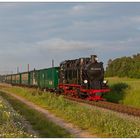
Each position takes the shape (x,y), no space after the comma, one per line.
(12,124)
(75,131)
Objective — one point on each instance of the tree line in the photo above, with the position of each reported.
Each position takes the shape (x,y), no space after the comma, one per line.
(124,67)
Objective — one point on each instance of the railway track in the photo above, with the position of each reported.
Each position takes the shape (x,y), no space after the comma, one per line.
(111,106)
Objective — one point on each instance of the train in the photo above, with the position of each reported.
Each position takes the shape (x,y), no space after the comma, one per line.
(80,78)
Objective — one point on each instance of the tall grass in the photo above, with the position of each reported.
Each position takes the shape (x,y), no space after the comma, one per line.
(129,94)
(103,123)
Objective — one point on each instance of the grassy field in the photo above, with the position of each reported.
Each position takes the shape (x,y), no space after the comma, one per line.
(125,91)
(102,123)
(11,124)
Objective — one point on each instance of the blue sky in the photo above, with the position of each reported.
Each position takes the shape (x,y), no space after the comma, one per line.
(36,33)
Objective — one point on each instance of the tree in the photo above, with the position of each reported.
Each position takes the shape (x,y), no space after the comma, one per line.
(124,67)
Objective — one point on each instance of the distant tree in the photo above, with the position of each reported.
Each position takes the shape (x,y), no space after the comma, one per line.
(109,62)
(124,67)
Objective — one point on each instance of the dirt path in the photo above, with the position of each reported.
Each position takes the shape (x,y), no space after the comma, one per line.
(77,132)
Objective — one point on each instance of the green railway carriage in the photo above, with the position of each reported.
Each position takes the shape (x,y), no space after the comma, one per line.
(25,78)
(33,76)
(48,78)
(43,78)
(8,79)
(5,79)
(17,78)
(13,79)
(2,78)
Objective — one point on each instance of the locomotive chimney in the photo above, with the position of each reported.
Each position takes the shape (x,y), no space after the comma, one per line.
(93,58)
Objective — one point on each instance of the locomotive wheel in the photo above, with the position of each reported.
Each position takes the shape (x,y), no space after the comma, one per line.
(81,95)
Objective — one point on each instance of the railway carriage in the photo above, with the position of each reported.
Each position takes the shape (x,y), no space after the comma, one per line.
(13,78)
(25,78)
(8,79)
(48,78)
(33,76)
(43,78)
(18,79)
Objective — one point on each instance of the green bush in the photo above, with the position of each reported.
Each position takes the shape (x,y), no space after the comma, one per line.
(117,92)
(124,90)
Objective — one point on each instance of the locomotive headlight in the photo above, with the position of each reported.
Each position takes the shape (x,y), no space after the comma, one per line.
(85,81)
(104,81)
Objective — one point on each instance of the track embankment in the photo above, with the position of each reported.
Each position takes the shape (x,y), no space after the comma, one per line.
(74,130)
(111,106)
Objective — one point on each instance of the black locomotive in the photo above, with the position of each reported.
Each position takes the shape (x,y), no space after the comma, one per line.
(83,77)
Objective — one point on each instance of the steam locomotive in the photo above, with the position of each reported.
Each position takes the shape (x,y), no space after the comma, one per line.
(80,78)
(83,77)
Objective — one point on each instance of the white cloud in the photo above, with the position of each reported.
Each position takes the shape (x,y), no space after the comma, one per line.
(134,18)
(78,8)
(88,9)
(61,45)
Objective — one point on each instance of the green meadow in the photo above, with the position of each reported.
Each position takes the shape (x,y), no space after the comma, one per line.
(102,123)
(124,90)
